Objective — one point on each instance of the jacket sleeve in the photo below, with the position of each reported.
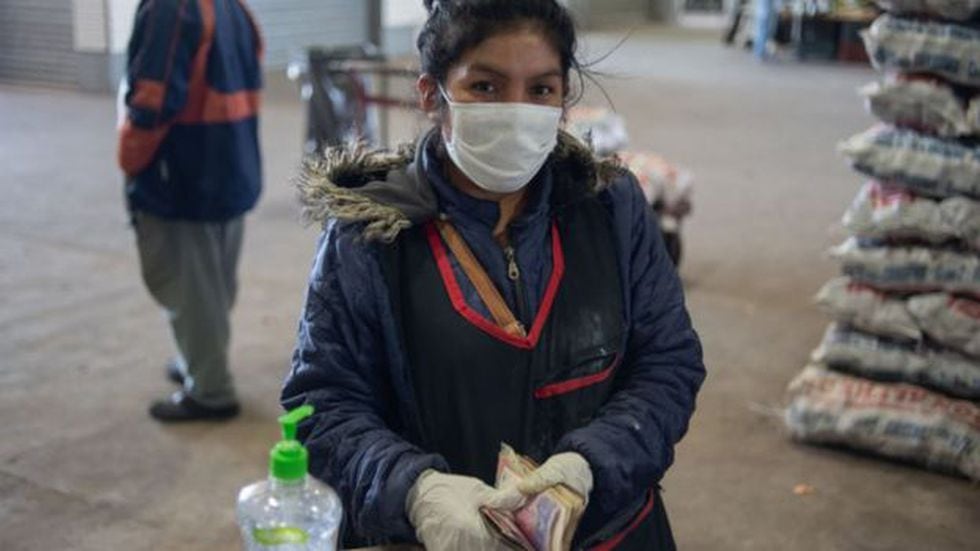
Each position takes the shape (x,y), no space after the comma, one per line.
(339,367)
(629,445)
(166,37)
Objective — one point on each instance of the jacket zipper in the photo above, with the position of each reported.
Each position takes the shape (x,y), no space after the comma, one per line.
(514,275)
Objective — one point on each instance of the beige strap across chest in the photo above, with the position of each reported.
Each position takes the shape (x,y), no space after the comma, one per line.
(488,292)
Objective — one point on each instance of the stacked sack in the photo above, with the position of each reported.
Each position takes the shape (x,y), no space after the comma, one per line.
(898,372)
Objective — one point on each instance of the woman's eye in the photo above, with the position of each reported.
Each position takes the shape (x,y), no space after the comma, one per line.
(482,87)
(542,91)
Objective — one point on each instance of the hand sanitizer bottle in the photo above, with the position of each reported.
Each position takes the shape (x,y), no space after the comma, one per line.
(290,511)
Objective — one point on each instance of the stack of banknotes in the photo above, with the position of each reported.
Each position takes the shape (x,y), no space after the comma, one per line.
(547,522)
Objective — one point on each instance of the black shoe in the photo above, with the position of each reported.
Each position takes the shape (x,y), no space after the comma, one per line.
(174,373)
(181,407)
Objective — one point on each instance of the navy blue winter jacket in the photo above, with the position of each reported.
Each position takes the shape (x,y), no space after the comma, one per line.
(350,365)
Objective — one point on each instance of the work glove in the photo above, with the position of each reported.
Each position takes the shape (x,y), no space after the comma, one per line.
(445,511)
(569,468)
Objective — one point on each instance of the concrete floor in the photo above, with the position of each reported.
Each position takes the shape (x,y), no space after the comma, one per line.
(83,467)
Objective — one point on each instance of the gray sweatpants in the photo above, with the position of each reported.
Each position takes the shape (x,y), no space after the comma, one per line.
(190,270)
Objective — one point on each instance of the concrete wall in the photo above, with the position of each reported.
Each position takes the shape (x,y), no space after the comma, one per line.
(403,18)
(402,13)
(401,21)
(103,25)
(101,32)
(596,13)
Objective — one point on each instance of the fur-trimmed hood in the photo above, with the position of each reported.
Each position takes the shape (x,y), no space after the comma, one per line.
(387,191)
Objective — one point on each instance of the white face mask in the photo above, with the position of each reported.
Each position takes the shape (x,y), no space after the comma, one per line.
(501,146)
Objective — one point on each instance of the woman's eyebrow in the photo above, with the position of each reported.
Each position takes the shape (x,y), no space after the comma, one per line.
(548,74)
(500,73)
(485,68)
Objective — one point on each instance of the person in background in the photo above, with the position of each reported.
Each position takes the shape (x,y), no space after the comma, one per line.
(189,148)
(494,284)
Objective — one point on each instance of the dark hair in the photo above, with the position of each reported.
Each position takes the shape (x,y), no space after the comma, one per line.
(456,26)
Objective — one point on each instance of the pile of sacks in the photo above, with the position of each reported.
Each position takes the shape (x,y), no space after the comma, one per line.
(666,186)
(898,371)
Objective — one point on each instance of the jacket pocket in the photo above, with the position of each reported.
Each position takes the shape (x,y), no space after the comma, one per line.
(571,397)
(593,372)
(623,525)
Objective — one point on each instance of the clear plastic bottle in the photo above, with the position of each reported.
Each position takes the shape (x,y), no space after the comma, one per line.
(291,511)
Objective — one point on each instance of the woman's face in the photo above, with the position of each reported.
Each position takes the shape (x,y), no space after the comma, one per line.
(517,66)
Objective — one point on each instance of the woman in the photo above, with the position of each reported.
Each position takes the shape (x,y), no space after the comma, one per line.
(494,284)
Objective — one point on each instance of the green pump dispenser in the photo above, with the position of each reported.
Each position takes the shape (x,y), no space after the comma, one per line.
(288,459)
(289,509)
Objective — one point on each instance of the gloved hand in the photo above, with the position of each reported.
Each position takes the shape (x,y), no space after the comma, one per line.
(445,511)
(569,468)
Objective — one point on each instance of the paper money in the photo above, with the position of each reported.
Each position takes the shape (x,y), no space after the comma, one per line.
(547,522)
(502,523)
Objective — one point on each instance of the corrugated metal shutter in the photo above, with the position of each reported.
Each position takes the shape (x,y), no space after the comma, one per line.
(36,41)
(289,26)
